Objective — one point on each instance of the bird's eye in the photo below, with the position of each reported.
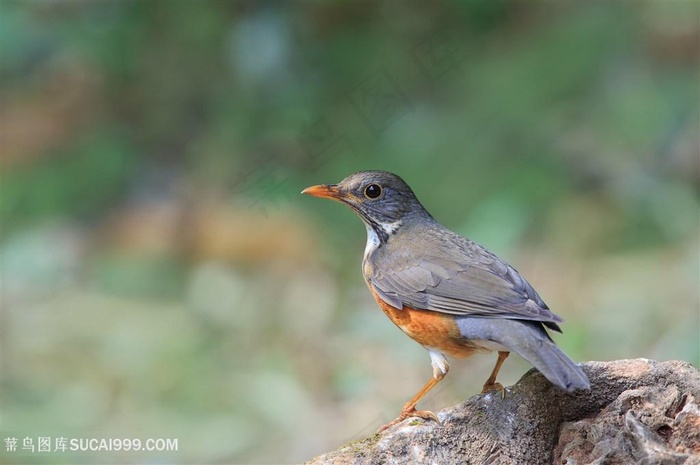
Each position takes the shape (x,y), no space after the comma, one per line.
(373,191)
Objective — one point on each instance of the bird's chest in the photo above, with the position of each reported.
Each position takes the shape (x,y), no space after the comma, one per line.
(433,330)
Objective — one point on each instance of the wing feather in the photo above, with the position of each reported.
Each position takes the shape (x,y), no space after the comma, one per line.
(475,284)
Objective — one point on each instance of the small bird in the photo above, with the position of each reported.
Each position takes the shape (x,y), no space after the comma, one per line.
(448,293)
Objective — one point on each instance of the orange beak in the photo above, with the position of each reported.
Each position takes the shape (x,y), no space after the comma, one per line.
(324,191)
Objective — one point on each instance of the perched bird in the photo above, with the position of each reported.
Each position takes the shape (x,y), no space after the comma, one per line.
(448,293)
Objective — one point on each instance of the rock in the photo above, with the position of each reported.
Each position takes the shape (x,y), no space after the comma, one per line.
(637,411)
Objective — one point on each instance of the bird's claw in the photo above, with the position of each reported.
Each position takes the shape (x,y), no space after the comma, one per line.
(494,387)
(424,414)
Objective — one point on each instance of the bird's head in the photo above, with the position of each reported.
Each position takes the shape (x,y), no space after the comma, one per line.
(382,199)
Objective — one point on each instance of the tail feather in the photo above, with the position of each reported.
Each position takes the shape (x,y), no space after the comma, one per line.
(555,365)
(530,340)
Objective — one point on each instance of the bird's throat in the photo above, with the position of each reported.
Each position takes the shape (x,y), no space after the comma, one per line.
(378,234)
(373,241)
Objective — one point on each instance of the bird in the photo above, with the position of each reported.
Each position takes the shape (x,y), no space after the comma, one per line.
(446,292)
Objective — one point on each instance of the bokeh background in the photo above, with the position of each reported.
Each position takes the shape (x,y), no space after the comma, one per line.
(163,278)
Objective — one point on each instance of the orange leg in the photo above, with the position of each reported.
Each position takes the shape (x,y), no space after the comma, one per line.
(491,384)
(409,409)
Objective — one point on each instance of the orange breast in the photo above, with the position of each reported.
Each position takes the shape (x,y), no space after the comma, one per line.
(428,328)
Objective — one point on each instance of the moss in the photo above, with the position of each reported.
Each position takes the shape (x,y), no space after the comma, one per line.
(360,445)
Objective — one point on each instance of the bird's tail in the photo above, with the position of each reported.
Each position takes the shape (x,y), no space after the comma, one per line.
(551,361)
(530,340)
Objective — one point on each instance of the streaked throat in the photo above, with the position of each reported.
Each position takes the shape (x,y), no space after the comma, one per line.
(378,234)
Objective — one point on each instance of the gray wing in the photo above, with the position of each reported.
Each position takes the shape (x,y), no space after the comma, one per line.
(476,284)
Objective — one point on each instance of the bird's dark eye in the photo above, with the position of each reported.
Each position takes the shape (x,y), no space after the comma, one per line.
(373,191)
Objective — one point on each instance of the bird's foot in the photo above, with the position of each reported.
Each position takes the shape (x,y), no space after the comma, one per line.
(425,414)
(494,387)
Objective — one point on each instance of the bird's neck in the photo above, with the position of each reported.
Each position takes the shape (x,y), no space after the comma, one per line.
(379,234)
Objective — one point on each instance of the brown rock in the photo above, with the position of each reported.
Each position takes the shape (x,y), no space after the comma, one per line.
(637,411)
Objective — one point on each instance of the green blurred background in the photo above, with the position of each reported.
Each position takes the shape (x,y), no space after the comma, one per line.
(163,278)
